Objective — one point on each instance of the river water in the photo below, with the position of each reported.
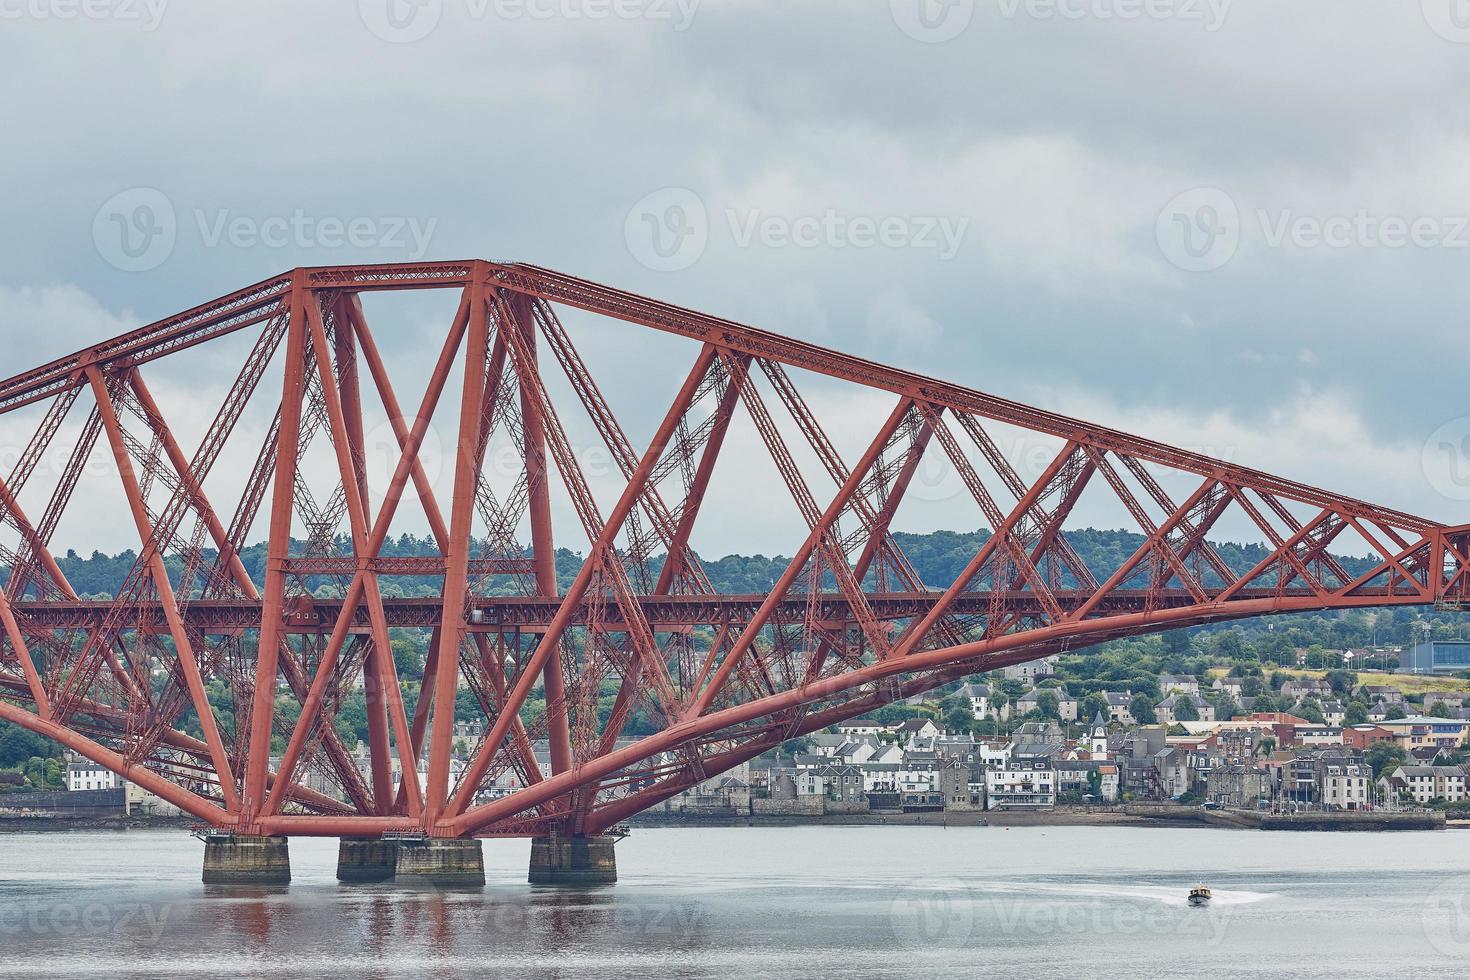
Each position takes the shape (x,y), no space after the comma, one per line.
(838,902)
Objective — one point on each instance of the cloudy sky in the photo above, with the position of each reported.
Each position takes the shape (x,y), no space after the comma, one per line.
(1237,226)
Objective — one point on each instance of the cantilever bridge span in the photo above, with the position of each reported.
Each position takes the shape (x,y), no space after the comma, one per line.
(849,625)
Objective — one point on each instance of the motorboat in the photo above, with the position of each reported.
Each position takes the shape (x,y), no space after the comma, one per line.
(1199,895)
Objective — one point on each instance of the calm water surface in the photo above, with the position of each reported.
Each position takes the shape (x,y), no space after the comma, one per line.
(768,902)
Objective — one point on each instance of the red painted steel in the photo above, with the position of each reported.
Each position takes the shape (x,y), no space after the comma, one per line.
(223,695)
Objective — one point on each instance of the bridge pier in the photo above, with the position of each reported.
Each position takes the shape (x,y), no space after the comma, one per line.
(366,859)
(240,859)
(576,860)
(439,860)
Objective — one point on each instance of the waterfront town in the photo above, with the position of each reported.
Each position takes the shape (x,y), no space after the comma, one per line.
(1109,748)
(1238,737)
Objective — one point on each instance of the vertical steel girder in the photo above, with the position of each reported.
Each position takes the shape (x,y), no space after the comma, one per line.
(822,644)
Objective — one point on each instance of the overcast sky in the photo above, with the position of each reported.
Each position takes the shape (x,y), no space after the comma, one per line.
(1237,226)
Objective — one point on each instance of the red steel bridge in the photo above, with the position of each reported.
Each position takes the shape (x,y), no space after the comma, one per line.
(849,625)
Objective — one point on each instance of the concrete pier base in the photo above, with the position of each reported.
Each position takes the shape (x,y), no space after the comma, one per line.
(573,861)
(231,859)
(441,861)
(365,859)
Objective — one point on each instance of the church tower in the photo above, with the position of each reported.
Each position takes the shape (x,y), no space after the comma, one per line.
(1098,745)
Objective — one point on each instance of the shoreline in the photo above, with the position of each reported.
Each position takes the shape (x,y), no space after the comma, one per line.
(1144,815)
(1133,816)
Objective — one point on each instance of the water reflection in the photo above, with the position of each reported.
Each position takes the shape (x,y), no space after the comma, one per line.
(790,903)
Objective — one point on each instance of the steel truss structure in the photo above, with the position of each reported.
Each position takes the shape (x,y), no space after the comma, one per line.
(849,625)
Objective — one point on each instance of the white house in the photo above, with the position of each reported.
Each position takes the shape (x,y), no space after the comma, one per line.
(1120,707)
(85,774)
(1182,683)
(1347,785)
(1426,783)
(1233,686)
(1031,786)
(1168,709)
(915,728)
(1028,671)
(982,701)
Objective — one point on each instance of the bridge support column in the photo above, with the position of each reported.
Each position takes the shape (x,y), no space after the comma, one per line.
(573,860)
(365,859)
(238,859)
(441,861)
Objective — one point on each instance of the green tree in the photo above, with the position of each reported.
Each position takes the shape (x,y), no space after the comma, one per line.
(1311,710)
(1342,681)
(1229,646)
(1225,707)
(1184,709)
(1090,706)
(18,745)
(1143,711)
(1385,756)
(1394,712)
(957,713)
(1356,713)
(1048,705)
